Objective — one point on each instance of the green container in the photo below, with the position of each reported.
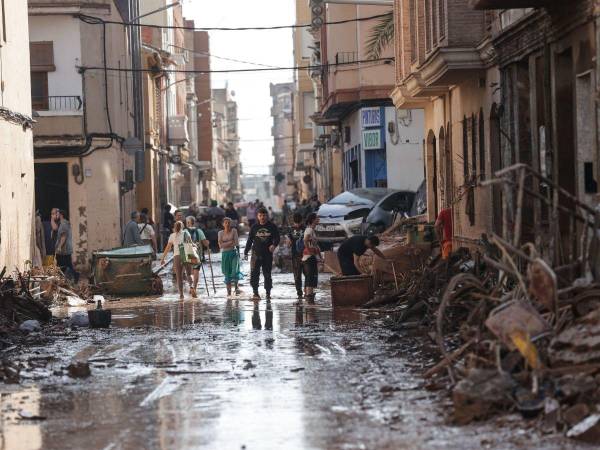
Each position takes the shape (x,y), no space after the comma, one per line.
(124,271)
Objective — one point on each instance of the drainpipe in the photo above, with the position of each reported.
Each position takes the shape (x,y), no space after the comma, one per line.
(137,84)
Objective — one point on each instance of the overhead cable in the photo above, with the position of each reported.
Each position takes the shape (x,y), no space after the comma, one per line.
(258,69)
(94,20)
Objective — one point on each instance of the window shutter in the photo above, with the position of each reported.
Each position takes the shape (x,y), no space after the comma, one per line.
(41,55)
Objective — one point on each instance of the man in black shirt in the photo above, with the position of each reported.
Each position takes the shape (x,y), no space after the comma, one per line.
(297,232)
(356,246)
(263,238)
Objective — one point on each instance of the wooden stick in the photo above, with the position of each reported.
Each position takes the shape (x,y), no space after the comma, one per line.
(448,360)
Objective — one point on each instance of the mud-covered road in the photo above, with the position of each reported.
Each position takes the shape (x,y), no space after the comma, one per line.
(230,374)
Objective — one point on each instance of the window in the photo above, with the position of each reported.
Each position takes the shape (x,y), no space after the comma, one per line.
(308,108)
(3,23)
(474,145)
(465,149)
(442,18)
(413,31)
(435,20)
(39,91)
(481,146)
(41,58)
(428,21)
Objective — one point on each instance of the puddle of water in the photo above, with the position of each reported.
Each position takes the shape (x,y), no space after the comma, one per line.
(221,373)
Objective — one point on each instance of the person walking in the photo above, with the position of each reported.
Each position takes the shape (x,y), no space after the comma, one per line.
(296,233)
(198,238)
(232,214)
(131,235)
(176,239)
(147,233)
(354,247)
(286,212)
(262,240)
(310,258)
(230,256)
(168,221)
(64,247)
(251,214)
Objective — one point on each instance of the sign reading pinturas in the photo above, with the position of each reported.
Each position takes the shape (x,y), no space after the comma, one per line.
(370,117)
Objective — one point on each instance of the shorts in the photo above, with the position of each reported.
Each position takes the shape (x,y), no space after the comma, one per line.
(311,272)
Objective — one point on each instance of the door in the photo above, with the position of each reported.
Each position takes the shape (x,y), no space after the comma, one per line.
(51,191)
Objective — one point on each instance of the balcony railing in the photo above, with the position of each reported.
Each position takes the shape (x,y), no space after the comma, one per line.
(63,103)
(346,57)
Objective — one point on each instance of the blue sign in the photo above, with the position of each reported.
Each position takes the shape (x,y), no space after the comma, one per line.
(371,117)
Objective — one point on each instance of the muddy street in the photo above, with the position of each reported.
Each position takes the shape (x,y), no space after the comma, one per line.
(228,374)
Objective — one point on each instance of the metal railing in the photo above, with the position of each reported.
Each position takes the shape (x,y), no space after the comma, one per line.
(57,103)
(346,57)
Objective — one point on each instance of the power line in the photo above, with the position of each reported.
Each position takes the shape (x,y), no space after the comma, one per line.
(262,69)
(193,52)
(96,20)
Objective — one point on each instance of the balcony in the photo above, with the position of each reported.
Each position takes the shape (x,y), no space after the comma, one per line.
(443,41)
(512,4)
(57,105)
(58,116)
(178,130)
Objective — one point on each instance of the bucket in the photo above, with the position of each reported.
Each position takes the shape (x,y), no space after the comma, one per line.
(355,290)
(99,318)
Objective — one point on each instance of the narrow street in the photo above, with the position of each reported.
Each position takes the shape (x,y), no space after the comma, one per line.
(230,374)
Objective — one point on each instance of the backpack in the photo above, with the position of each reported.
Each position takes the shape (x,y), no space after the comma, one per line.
(300,246)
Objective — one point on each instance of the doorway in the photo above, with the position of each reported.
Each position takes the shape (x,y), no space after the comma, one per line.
(51,191)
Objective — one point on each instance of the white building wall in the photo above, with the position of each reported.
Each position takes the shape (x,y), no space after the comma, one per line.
(16,142)
(64,31)
(405,158)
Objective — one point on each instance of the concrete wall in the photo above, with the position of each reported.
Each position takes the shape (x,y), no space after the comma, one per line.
(16,147)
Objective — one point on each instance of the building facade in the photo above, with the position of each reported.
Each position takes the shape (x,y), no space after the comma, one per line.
(304,107)
(84,116)
(16,142)
(282,95)
(501,82)
(226,146)
(366,141)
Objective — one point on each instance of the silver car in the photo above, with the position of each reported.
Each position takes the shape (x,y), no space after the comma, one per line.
(342,216)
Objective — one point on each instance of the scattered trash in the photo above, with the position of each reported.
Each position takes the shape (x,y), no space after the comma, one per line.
(79,369)
(79,319)
(99,318)
(26,415)
(30,326)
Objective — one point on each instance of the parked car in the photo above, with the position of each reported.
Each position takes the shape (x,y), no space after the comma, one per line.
(384,213)
(342,216)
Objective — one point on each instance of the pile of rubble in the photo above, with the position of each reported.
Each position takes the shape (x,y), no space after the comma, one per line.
(517,326)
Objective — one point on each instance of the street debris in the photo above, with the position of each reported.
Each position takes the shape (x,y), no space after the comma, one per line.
(516,323)
(79,369)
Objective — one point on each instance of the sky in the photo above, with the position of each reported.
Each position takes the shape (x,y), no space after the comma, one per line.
(272,47)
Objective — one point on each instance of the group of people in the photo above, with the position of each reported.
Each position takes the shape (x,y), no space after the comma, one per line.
(54,239)
(263,239)
(186,231)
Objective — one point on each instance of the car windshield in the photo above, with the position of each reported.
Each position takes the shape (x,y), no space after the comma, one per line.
(359,197)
